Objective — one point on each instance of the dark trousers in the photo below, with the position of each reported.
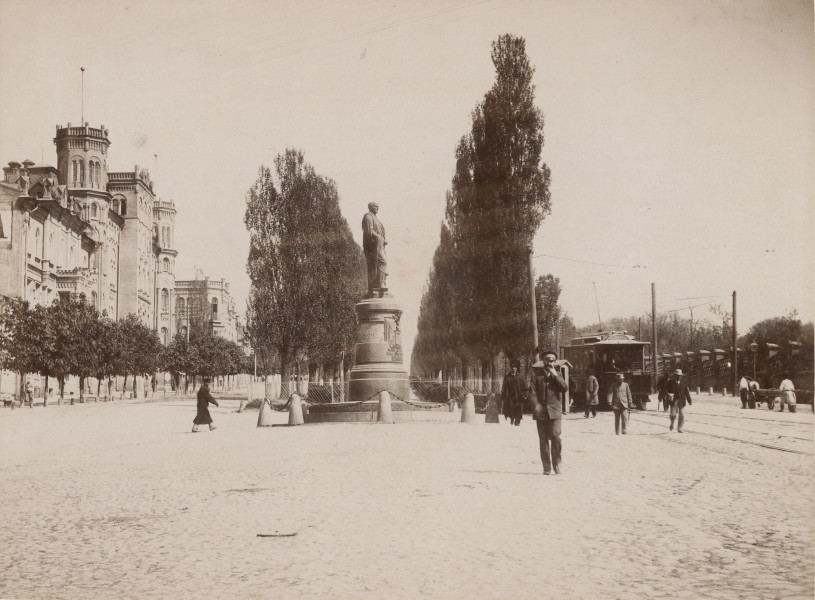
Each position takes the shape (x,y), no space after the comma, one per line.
(591,408)
(549,433)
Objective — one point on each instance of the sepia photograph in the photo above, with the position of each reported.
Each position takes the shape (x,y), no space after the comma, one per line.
(449,299)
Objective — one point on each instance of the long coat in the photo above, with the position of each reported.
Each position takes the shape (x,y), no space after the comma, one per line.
(204,399)
(592,387)
(547,388)
(512,397)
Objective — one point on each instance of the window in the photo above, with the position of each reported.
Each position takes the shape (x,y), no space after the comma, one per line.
(94,211)
(165,265)
(180,308)
(94,300)
(165,300)
(164,335)
(116,205)
(214,309)
(124,207)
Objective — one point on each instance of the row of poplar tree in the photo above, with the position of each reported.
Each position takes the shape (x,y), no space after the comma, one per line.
(71,338)
(477,300)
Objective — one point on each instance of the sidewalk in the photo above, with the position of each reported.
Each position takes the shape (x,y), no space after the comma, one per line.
(121,501)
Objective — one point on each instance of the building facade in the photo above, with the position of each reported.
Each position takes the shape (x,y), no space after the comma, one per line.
(217,302)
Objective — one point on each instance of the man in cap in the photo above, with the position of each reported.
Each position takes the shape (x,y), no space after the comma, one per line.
(678,394)
(546,387)
(512,396)
(619,398)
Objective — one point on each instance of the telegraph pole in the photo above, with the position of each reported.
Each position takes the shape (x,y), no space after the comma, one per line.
(735,350)
(534,307)
(654,333)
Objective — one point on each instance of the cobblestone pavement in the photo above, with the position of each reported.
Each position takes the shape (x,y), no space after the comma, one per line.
(122,501)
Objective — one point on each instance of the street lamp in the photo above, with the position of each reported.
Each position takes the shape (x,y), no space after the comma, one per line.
(754,352)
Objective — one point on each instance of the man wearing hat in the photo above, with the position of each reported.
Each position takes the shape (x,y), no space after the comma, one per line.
(678,393)
(204,399)
(546,387)
(619,398)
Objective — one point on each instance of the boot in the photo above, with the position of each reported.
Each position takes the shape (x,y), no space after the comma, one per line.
(211,427)
(195,428)
(671,428)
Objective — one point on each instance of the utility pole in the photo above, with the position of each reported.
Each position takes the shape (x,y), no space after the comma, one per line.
(532,296)
(654,333)
(735,350)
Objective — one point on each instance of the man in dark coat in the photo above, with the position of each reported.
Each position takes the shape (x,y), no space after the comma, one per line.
(512,396)
(678,394)
(204,400)
(546,387)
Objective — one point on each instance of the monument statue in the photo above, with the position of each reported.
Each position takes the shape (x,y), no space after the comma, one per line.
(373,244)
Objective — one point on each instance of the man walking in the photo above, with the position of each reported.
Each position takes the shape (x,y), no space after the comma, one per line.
(204,399)
(592,387)
(512,396)
(619,398)
(678,394)
(547,385)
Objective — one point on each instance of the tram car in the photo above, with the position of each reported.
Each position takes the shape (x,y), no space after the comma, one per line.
(609,353)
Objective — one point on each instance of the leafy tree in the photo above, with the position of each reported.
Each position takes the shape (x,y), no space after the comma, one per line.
(139,352)
(306,271)
(18,343)
(499,197)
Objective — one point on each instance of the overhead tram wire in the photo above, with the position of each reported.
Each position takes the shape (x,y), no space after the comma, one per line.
(589,262)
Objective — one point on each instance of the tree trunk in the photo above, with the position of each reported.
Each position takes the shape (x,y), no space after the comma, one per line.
(61,382)
(285,373)
(81,389)
(45,393)
(124,387)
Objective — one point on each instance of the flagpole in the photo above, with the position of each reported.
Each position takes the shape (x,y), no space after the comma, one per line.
(82,122)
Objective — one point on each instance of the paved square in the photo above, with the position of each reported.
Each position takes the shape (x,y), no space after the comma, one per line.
(122,501)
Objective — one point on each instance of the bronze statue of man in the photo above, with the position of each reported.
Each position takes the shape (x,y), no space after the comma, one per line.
(373,244)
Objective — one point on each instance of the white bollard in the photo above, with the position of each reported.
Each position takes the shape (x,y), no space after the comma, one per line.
(698,390)
(724,391)
(468,409)
(265,416)
(710,391)
(296,410)
(384,414)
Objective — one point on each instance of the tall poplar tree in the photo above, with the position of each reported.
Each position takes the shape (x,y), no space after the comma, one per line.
(498,199)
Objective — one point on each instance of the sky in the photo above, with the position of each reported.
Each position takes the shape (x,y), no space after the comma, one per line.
(679,134)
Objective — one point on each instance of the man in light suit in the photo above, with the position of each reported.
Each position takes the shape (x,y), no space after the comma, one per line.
(619,398)
(546,387)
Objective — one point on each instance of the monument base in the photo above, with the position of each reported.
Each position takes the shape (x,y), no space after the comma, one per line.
(366,412)
(378,352)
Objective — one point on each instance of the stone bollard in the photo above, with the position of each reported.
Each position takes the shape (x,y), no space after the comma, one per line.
(710,391)
(242,405)
(724,391)
(265,416)
(468,409)
(698,390)
(296,410)
(492,411)
(384,414)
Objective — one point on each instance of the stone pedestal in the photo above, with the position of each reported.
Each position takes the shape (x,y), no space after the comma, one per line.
(378,365)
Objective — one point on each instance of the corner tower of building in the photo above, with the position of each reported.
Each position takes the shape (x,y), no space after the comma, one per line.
(82,155)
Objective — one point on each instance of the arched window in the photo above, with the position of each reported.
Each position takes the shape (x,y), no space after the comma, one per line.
(124,207)
(94,300)
(215,309)
(50,247)
(94,211)
(165,265)
(155,233)
(81,179)
(180,308)
(116,205)
(164,335)
(74,171)
(165,300)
